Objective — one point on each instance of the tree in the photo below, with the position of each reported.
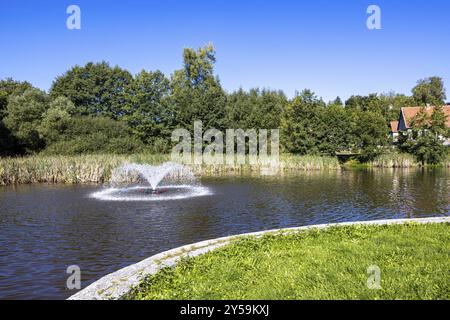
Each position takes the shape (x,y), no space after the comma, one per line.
(147,111)
(370,133)
(95,89)
(257,109)
(300,122)
(429,91)
(6,139)
(428,149)
(335,130)
(196,94)
(336,102)
(86,134)
(10,87)
(392,104)
(239,108)
(24,114)
(3,103)
(199,65)
(425,141)
(388,105)
(372,103)
(8,144)
(56,120)
(268,111)
(439,122)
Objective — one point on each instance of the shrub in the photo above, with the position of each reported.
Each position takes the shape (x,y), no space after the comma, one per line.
(94,135)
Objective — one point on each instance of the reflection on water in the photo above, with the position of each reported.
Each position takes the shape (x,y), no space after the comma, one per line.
(46,228)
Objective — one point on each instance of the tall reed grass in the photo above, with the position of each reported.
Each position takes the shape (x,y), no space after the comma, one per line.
(98,168)
(395,160)
(402,160)
(58,169)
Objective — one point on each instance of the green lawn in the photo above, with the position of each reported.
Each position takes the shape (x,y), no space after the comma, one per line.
(414,261)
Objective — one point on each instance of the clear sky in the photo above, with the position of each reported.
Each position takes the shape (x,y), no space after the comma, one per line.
(288,45)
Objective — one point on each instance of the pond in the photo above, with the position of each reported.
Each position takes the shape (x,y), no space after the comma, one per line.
(46,228)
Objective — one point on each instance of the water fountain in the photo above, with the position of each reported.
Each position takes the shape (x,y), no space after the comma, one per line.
(142,182)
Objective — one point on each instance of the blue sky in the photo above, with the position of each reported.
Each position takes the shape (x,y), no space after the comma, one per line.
(288,45)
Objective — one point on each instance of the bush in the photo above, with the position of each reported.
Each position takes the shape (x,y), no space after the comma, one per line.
(23,115)
(94,144)
(95,135)
(395,159)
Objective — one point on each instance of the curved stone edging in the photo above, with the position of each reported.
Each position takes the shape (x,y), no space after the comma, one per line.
(117,284)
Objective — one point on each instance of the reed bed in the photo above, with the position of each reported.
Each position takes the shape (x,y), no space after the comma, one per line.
(58,169)
(85,169)
(402,160)
(308,162)
(395,160)
(95,169)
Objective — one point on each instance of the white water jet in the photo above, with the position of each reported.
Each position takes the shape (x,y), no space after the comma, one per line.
(152,174)
(138,193)
(168,181)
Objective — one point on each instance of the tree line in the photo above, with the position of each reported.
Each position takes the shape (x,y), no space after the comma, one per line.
(97,108)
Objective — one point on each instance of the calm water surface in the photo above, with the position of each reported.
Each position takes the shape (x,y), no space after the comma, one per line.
(46,228)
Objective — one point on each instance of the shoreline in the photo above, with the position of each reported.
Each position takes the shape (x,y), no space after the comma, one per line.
(97,169)
(118,284)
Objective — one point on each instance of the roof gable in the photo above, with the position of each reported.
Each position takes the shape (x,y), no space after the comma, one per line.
(394,126)
(409,113)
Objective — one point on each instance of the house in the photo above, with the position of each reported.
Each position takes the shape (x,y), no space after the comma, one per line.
(408,114)
(406,117)
(394,130)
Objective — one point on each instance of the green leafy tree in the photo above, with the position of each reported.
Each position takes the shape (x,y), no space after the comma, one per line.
(196,93)
(388,105)
(428,149)
(269,108)
(95,89)
(335,132)
(372,103)
(392,104)
(56,120)
(439,122)
(425,140)
(147,110)
(199,65)
(300,122)
(257,109)
(429,91)
(3,103)
(9,87)
(370,134)
(23,116)
(239,108)
(85,134)
(336,102)
(8,144)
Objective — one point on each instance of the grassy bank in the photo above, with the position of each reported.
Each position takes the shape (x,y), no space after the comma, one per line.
(98,168)
(396,159)
(317,264)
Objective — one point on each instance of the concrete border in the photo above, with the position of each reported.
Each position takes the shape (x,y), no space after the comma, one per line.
(117,284)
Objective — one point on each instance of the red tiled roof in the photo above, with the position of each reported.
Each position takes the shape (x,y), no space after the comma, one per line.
(394,126)
(409,113)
